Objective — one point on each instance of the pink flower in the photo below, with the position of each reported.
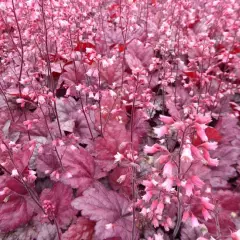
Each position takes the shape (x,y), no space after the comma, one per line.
(20,100)
(118,157)
(154,204)
(121,179)
(15,173)
(155,222)
(197,181)
(168,184)
(185,216)
(201,131)
(236,235)
(209,145)
(153,149)
(41,99)
(189,188)
(168,170)
(160,208)
(147,196)
(158,236)
(147,184)
(203,119)
(109,226)
(206,203)
(213,162)
(144,211)
(194,221)
(206,214)
(196,153)
(166,120)
(210,161)
(160,131)
(162,159)
(186,155)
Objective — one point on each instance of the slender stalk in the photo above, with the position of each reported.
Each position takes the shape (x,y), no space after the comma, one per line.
(58,229)
(5,98)
(51,84)
(46,123)
(133,167)
(22,61)
(80,97)
(99,102)
(179,210)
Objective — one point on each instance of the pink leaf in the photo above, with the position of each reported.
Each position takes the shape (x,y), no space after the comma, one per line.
(47,161)
(140,124)
(120,180)
(72,119)
(15,211)
(35,230)
(133,62)
(190,233)
(21,158)
(69,76)
(57,203)
(106,148)
(109,209)
(113,109)
(230,201)
(225,222)
(112,73)
(78,166)
(140,51)
(83,229)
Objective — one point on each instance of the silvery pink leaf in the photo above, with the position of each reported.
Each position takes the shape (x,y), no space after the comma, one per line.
(109,209)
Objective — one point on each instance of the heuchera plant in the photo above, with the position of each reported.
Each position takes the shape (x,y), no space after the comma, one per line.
(119,120)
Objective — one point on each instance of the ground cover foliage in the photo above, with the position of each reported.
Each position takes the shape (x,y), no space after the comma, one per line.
(119,120)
